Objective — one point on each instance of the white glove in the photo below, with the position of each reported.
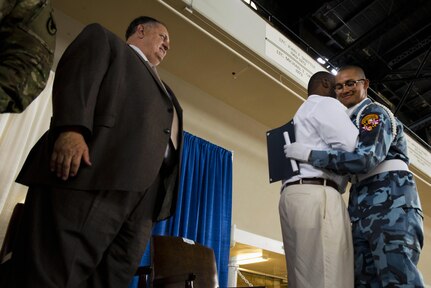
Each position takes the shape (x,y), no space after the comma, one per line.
(297,151)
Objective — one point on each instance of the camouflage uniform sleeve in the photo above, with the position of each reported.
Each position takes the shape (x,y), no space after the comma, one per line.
(27,43)
(375,137)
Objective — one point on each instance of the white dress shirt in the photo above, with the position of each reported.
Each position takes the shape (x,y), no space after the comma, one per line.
(322,123)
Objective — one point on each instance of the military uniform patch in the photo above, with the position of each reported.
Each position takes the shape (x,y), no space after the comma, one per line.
(370,121)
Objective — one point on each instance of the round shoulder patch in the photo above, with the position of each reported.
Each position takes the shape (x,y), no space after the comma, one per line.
(370,121)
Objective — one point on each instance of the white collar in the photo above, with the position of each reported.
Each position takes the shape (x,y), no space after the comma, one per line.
(140,52)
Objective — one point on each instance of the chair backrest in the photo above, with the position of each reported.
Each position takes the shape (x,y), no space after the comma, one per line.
(174,258)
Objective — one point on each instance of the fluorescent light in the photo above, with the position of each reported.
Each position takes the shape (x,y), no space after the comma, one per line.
(251,261)
(248,255)
(321,61)
(249,258)
(253,5)
(247,1)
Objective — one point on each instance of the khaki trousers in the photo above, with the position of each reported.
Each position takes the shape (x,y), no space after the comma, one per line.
(317,237)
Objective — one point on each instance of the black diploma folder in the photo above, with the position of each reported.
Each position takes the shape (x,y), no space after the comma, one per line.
(279,166)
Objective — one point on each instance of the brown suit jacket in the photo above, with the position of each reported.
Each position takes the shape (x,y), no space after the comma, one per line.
(103,87)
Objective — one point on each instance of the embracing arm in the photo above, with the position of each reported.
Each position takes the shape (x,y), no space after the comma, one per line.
(375,138)
(333,126)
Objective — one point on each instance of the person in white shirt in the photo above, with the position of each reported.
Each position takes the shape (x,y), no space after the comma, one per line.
(314,220)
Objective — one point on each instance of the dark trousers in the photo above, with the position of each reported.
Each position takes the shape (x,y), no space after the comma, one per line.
(73,238)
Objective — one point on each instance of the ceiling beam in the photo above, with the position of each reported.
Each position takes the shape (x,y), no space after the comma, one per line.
(406,94)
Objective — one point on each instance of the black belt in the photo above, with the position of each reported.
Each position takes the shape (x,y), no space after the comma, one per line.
(314,181)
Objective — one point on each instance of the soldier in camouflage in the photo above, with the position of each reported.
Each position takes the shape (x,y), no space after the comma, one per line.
(27,43)
(384,205)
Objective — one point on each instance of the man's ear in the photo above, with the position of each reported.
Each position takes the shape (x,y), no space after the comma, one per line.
(326,83)
(140,31)
(366,83)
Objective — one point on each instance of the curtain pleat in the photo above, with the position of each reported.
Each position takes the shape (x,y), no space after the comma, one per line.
(18,133)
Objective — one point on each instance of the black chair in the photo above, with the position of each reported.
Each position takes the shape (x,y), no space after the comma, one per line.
(177,262)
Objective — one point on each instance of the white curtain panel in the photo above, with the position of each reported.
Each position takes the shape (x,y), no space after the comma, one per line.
(18,134)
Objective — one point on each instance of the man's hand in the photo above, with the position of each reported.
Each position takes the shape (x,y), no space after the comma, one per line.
(297,151)
(69,149)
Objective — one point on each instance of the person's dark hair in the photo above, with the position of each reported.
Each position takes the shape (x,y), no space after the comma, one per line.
(316,80)
(140,20)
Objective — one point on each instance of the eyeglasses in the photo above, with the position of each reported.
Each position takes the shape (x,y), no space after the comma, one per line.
(349,83)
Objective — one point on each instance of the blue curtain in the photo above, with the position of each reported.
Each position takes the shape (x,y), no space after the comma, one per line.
(204,207)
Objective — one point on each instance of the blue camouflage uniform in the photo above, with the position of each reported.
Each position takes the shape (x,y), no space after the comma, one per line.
(385,210)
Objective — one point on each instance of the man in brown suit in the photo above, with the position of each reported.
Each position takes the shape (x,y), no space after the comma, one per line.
(107,168)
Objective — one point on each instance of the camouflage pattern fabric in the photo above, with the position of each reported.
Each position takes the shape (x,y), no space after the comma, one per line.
(27,43)
(375,144)
(387,248)
(5,7)
(383,192)
(385,209)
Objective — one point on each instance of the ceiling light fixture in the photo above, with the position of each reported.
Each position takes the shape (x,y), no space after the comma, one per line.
(321,61)
(251,261)
(249,258)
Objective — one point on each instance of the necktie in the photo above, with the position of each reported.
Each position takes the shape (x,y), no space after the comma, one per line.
(174,126)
